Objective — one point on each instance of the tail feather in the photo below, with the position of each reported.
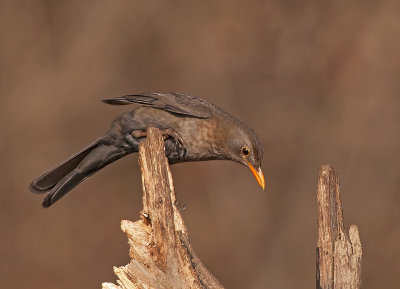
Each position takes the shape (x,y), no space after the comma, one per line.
(69,174)
(64,186)
(50,178)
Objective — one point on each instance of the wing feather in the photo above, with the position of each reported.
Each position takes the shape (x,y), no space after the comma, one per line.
(172,102)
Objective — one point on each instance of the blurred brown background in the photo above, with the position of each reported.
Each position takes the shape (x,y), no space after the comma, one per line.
(318,80)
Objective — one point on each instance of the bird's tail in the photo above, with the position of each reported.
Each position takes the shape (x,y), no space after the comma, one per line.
(65,176)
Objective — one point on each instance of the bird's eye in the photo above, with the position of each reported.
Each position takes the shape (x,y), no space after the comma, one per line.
(245,151)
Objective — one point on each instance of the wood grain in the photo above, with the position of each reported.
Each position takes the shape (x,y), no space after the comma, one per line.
(160,249)
(338,253)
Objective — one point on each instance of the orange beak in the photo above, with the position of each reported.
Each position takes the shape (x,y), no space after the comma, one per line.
(258,175)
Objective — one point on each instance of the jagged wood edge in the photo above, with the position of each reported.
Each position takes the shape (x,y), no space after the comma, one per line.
(338,254)
(160,249)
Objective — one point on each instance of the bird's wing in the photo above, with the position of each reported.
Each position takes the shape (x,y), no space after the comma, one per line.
(172,102)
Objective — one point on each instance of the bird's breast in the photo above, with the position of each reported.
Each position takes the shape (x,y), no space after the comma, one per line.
(201,138)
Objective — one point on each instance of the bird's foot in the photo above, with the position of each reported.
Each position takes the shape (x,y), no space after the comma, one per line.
(139,133)
(167,133)
(170,133)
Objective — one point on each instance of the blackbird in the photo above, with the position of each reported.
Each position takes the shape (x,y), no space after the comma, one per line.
(194,130)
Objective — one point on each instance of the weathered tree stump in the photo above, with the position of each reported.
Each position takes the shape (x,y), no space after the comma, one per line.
(160,249)
(338,253)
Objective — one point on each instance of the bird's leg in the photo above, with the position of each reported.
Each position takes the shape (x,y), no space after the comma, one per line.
(139,133)
(167,134)
(170,133)
(132,138)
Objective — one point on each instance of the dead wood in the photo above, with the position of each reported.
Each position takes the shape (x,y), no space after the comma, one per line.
(160,249)
(338,253)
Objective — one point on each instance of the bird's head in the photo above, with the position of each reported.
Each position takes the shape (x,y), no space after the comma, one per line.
(245,147)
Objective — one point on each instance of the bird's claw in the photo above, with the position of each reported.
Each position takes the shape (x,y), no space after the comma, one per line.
(139,133)
(170,133)
(167,133)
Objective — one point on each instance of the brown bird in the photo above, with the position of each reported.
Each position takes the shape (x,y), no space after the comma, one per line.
(194,130)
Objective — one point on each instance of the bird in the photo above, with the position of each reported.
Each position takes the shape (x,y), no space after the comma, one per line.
(193,130)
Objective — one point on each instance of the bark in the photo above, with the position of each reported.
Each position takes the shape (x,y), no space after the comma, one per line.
(160,249)
(338,253)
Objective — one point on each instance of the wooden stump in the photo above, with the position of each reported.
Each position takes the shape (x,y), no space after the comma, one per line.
(160,249)
(338,253)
